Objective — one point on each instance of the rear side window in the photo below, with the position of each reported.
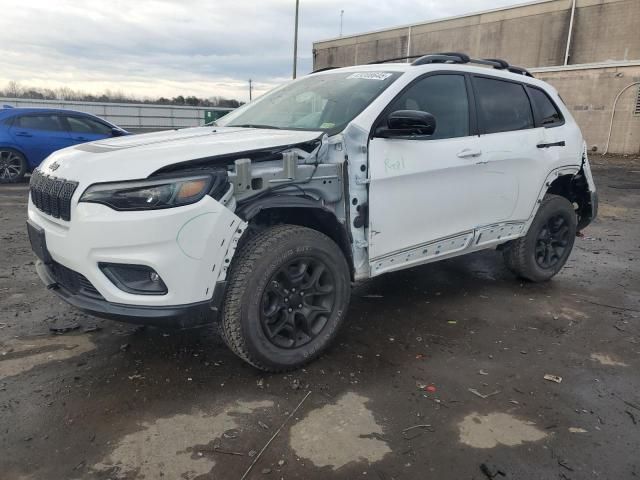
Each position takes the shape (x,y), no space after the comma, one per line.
(87,125)
(39,122)
(502,106)
(443,96)
(547,113)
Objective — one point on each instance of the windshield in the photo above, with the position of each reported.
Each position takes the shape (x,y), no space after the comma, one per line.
(326,102)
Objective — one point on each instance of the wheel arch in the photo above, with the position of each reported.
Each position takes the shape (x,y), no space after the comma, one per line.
(301,211)
(574,187)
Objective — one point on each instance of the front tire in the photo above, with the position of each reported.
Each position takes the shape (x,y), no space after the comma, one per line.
(13,165)
(287,295)
(544,250)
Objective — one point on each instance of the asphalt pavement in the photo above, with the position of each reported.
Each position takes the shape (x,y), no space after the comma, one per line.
(439,373)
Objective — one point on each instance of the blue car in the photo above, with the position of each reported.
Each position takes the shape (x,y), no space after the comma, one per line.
(29,135)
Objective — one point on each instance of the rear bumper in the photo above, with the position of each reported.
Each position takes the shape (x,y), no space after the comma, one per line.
(589,213)
(174,316)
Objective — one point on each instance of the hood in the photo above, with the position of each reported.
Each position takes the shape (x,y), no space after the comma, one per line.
(138,156)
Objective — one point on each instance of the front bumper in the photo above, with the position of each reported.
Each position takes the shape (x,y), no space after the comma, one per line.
(190,248)
(175,316)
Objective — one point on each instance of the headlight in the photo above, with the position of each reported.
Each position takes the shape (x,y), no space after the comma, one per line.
(151,194)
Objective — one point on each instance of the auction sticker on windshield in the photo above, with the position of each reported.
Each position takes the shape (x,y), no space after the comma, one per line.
(371,75)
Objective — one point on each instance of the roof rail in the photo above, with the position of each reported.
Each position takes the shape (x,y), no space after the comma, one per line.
(451,57)
(496,62)
(521,71)
(407,57)
(323,69)
(445,57)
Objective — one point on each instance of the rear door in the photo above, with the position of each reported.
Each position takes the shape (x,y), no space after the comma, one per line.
(427,188)
(84,129)
(509,141)
(519,135)
(39,135)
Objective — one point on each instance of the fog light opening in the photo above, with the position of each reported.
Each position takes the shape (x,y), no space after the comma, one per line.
(135,279)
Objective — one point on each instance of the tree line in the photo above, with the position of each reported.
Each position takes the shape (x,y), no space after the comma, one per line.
(15,90)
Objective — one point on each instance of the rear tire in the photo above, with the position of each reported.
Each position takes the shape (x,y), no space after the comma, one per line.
(544,250)
(13,165)
(287,294)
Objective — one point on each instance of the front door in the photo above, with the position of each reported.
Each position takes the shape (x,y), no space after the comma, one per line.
(427,189)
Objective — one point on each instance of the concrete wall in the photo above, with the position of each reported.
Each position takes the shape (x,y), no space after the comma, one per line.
(535,36)
(590,92)
(131,116)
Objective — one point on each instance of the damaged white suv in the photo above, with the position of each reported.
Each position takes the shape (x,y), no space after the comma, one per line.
(265,219)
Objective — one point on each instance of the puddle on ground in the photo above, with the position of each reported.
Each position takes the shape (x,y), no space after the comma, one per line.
(340,433)
(488,431)
(164,448)
(606,359)
(21,355)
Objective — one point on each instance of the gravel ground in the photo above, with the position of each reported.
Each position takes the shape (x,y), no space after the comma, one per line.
(439,373)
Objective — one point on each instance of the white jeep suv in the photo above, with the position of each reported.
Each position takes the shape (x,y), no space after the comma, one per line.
(263,220)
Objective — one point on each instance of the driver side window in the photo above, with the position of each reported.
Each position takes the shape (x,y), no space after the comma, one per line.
(445,97)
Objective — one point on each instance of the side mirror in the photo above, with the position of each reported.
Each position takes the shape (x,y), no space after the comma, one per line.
(402,123)
(116,132)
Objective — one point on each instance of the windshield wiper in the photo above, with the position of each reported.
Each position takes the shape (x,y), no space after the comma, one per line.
(255,125)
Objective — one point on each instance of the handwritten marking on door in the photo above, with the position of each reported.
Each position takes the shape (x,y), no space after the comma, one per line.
(393,165)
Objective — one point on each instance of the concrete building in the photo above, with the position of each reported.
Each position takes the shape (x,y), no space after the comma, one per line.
(588,49)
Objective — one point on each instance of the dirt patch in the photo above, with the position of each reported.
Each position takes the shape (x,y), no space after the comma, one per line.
(489,431)
(606,359)
(163,448)
(21,355)
(611,211)
(338,434)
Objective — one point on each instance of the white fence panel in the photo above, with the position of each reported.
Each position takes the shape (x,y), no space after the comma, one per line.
(128,115)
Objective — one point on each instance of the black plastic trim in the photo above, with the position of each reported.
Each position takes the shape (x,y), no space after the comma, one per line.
(118,282)
(175,316)
(589,213)
(250,209)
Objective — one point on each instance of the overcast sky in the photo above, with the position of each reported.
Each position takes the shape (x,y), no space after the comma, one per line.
(192,47)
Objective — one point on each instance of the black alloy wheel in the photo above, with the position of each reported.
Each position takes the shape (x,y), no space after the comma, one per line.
(546,247)
(287,295)
(552,242)
(297,302)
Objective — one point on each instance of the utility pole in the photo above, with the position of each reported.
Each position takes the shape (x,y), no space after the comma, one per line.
(250,90)
(295,42)
(341,15)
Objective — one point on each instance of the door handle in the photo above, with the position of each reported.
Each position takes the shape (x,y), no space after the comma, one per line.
(82,139)
(554,144)
(23,134)
(469,153)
